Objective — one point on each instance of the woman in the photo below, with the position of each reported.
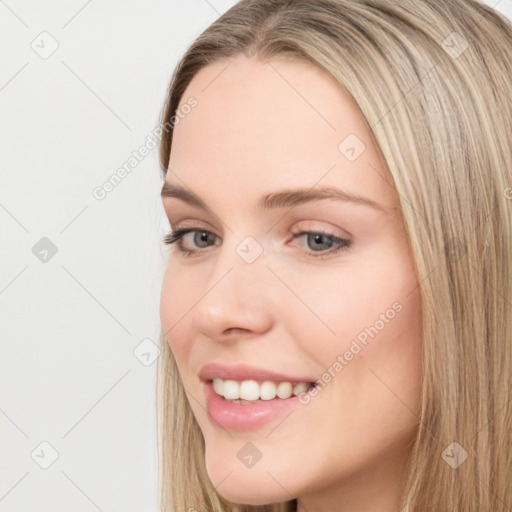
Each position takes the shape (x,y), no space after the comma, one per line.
(336,312)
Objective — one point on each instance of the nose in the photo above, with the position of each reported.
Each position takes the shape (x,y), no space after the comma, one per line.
(236,300)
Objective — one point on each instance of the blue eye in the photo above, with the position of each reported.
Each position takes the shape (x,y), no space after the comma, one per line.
(318,241)
(204,237)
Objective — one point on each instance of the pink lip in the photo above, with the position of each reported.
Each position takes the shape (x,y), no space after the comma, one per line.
(241,372)
(235,416)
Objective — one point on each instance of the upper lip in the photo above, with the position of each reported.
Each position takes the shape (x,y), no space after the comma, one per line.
(241,372)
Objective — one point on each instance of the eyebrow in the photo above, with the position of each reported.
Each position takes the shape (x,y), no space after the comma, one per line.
(282,199)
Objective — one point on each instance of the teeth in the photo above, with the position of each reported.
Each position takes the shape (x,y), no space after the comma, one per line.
(251,390)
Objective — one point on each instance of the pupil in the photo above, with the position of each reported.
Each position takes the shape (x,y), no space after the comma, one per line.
(203,236)
(318,240)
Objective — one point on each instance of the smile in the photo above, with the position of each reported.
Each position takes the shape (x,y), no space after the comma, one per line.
(247,391)
(242,414)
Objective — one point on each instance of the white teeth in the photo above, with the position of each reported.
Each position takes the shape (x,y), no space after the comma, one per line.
(299,388)
(267,390)
(231,390)
(251,390)
(284,390)
(217,386)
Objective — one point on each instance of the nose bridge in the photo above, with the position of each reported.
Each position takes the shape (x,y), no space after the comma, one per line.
(235,295)
(244,264)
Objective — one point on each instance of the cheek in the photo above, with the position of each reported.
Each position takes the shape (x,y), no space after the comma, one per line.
(348,303)
(365,326)
(396,354)
(176,299)
(383,377)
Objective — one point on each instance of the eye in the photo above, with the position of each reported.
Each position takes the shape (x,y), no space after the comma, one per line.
(202,238)
(199,235)
(320,239)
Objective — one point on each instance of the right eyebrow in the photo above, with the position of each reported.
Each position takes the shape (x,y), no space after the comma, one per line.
(169,190)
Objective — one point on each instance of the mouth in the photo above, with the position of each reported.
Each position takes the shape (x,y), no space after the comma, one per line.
(235,412)
(253,391)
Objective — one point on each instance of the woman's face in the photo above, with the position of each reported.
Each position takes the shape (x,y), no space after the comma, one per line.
(339,306)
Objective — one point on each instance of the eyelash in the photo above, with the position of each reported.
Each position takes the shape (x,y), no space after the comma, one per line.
(177,235)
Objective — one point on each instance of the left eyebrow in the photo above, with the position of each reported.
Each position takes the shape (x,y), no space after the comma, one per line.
(281,199)
(294,197)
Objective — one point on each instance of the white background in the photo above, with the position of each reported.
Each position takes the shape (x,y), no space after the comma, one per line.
(69,325)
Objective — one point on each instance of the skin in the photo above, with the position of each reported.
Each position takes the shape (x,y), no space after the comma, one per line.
(253,133)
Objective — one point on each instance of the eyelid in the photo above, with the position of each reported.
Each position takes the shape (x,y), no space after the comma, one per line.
(178,226)
(312,226)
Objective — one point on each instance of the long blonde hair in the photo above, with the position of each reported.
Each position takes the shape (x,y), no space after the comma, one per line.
(433,80)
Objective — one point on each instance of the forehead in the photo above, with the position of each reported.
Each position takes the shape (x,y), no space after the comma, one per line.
(276,123)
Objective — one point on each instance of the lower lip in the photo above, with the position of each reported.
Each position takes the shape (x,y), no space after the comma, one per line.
(235,416)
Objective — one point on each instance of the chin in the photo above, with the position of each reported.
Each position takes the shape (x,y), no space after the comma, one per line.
(251,495)
(244,486)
